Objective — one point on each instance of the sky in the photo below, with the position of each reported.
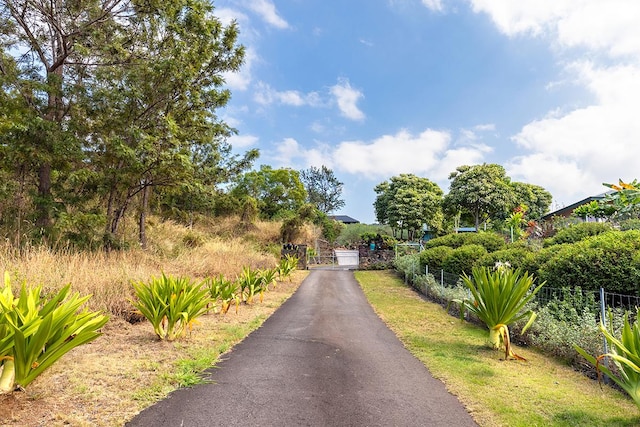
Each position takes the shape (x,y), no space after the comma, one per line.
(549,89)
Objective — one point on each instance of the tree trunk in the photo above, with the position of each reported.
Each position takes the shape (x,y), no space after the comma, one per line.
(43,220)
(143,215)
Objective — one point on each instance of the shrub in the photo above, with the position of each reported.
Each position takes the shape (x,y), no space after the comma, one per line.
(434,257)
(489,240)
(454,240)
(517,257)
(463,259)
(408,265)
(171,304)
(577,232)
(609,260)
(35,332)
(630,224)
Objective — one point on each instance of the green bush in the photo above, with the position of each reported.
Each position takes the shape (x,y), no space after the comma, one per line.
(630,224)
(516,256)
(577,232)
(434,257)
(408,265)
(489,240)
(171,304)
(609,260)
(454,240)
(463,259)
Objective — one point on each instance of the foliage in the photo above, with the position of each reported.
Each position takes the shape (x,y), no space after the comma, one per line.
(620,203)
(463,259)
(630,224)
(171,304)
(489,240)
(250,283)
(516,256)
(408,265)
(625,354)
(569,318)
(279,192)
(286,266)
(535,198)
(323,188)
(223,290)
(608,260)
(434,257)
(106,104)
(406,202)
(331,228)
(482,191)
(354,234)
(498,299)
(576,232)
(36,331)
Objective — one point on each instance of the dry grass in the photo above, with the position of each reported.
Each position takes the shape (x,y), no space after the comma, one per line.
(107,381)
(208,249)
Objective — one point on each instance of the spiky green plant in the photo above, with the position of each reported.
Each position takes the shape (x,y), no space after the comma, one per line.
(268,277)
(171,304)
(286,266)
(625,354)
(498,299)
(36,332)
(250,283)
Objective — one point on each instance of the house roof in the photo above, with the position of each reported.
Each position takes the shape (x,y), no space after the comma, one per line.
(568,210)
(345,219)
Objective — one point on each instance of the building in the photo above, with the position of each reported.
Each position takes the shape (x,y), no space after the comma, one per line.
(345,219)
(567,211)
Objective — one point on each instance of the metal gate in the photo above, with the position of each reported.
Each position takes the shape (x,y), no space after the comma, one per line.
(341,259)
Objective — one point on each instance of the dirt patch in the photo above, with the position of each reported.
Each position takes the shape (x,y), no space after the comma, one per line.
(108,381)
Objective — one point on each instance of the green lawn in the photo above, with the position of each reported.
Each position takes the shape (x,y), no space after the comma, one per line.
(539,392)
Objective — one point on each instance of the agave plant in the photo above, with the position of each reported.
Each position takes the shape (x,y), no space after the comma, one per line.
(268,278)
(171,304)
(229,294)
(625,353)
(287,265)
(250,284)
(35,333)
(499,297)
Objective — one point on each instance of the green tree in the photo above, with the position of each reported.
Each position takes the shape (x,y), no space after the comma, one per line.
(48,51)
(406,202)
(323,188)
(279,192)
(110,100)
(163,130)
(483,191)
(536,199)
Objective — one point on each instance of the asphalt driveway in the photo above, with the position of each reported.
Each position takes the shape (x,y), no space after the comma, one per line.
(322,359)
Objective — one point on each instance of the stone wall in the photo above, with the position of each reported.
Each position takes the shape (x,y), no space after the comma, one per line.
(298,251)
(375,259)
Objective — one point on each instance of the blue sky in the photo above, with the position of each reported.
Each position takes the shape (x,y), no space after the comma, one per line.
(550,89)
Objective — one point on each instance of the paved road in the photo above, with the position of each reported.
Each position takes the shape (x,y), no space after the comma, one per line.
(322,359)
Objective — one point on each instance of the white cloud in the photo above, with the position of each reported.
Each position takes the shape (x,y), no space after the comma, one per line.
(266,95)
(347,97)
(609,26)
(431,154)
(571,152)
(390,155)
(267,11)
(242,141)
(434,5)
